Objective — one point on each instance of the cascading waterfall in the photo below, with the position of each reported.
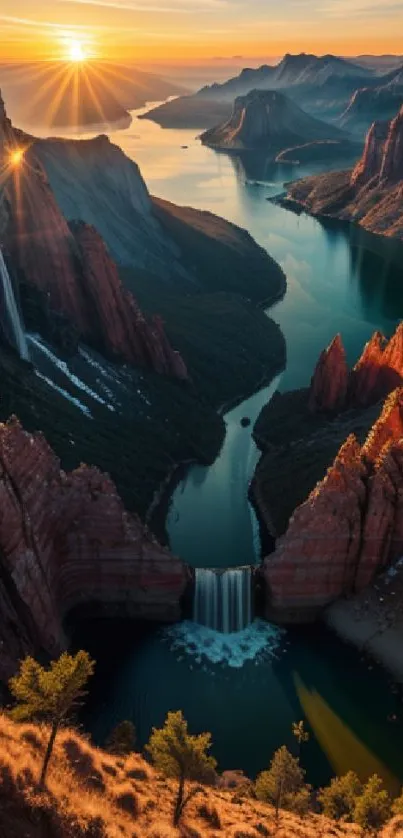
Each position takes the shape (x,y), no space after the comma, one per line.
(223,599)
(14,323)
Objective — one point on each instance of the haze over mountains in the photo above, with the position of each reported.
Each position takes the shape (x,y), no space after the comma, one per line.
(323,86)
(60,95)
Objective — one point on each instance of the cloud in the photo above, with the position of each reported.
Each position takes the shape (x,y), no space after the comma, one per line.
(171,6)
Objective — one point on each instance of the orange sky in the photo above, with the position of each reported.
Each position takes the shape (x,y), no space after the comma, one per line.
(187,30)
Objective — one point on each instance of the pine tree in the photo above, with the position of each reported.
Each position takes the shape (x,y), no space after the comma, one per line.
(122,739)
(373,807)
(177,754)
(338,800)
(283,784)
(49,694)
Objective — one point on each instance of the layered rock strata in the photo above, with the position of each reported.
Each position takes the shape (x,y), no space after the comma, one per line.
(371,194)
(347,530)
(67,541)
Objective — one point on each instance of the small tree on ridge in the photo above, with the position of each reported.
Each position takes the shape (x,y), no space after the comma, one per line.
(49,694)
(177,754)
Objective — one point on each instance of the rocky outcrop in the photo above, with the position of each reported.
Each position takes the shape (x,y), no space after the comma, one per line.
(372,194)
(67,541)
(330,380)
(349,528)
(378,371)
(71,265)
(269,121)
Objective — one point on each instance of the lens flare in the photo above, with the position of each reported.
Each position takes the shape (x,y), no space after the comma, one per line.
(16,157)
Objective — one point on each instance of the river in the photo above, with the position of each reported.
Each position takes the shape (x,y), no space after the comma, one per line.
(247,690)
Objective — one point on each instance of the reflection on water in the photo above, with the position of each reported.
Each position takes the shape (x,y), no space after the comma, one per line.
(335,284)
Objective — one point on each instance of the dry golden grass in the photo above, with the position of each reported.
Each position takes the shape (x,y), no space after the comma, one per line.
(91,794)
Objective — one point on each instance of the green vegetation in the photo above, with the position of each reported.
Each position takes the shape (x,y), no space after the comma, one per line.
(50,694)
(177,754)
(372,808)
(122,740)
(339,798)
(283,784)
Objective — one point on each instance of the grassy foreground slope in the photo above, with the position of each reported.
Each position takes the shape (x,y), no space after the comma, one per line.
(92,794)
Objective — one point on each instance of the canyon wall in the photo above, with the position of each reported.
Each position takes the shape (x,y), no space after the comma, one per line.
(378,371)
(371,194)
(70,265)
(66,541)
(348,529)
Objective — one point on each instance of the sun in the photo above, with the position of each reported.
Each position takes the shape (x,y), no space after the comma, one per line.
(76,51)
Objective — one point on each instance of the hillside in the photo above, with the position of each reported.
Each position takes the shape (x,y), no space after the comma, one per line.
(92,794)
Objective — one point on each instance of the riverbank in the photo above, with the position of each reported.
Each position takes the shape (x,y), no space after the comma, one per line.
(373,621)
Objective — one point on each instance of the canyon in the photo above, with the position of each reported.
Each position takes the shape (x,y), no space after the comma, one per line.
(349,528)
(66,541)
(370,194)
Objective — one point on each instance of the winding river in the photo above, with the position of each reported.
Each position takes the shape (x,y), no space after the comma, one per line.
(248,689)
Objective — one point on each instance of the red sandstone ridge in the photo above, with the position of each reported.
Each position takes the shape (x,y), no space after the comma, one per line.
(378,371)
(72,267)
(349,528)
(330,380)
(65,541)
(371,194)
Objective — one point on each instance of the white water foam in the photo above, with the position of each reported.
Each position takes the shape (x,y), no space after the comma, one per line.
(256,642)
(84,409)
(62,366)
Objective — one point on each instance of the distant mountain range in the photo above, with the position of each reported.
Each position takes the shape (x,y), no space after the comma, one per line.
(314,82)
(370,103)
(61,95)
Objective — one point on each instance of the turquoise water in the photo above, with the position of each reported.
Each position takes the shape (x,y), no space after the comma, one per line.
(248,689)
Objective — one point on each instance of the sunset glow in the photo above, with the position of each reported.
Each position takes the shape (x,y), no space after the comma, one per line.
(189,31)
(76,51)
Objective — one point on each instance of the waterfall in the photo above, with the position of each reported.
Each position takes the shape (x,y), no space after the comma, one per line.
(223,599)
(14,323)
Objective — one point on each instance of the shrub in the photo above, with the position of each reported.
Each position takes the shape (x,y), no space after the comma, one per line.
(338,800)
(122,740)
(373,807)
(128,802)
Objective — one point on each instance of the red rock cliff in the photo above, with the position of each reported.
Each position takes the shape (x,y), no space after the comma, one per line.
(378,371)
(330,380)
(72,266)
(66,540)
(349,528)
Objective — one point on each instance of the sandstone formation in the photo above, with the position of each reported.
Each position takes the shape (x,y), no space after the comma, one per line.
(67,541)
(269,121)
(375,102)
(378,371)
(372,194)
(330,380)
(349,528)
